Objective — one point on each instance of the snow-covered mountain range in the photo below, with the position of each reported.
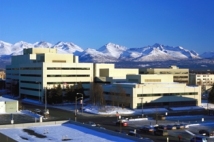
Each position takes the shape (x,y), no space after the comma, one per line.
(108,53)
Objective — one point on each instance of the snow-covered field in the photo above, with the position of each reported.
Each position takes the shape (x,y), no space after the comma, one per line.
(58,133)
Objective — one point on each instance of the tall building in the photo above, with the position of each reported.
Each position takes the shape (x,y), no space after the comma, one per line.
(40,68)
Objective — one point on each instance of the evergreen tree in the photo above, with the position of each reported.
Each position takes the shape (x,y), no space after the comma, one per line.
(59,94)
(211,95)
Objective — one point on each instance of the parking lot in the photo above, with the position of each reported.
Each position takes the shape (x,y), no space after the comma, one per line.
(107,123)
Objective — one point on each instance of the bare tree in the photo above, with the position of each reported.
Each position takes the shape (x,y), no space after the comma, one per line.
(96,94)
(122,98)
(112,97)
(92,93)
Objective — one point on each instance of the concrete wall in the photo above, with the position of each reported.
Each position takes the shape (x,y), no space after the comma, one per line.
(4,138)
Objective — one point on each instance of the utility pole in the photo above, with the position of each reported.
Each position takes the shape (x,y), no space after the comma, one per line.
(75,117)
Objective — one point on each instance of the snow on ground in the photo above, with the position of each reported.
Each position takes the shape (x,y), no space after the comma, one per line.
(107,110)
(58,133)
(30,113)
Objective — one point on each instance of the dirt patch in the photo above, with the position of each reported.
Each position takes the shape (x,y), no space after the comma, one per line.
(31,132)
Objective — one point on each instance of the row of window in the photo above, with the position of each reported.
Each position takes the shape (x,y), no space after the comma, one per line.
(109,93)
(176,77)
(204,78)
(165,72)
(48,68)
(52,83)
(83,75)
(59,68)
(152,80)
(38,75)
(32,89)
(31,75)
(203,75)
(167,94)
(12,68)
(163,104)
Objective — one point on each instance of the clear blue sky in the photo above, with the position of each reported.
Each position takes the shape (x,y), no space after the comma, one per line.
(93,23)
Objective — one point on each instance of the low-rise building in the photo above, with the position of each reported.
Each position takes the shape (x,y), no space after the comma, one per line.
(8,105)
(152,91)
(179,75)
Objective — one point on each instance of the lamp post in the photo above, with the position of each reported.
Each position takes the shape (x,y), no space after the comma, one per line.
(142,105)
(76,98)
(82,100)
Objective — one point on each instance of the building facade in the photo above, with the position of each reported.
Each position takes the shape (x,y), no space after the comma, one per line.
(205,80)
(179,75)
(152,90)
(40,68)
(8,105)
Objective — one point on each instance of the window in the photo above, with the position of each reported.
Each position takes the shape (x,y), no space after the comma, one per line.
(152,80)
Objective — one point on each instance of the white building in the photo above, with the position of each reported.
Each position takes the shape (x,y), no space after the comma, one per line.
(206,80)
(40,68)
(153,91)
(8,105)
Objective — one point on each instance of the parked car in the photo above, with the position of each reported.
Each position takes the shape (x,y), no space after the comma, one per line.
(99,126)
(171,127)
(185,125)
(135,134)
(199,139)
(38,111)
(92,124)
(147,129)
(179,126)
(122,123)
(163,127)
(205,133)
(161,132)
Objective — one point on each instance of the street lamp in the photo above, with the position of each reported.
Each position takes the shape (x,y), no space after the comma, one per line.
(82,100)
(142,105)
(76,98)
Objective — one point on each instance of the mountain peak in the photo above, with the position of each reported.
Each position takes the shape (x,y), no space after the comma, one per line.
(157,45)
(112,49)
(109,52)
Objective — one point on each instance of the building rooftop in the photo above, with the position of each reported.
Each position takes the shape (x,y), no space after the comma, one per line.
(2,99)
